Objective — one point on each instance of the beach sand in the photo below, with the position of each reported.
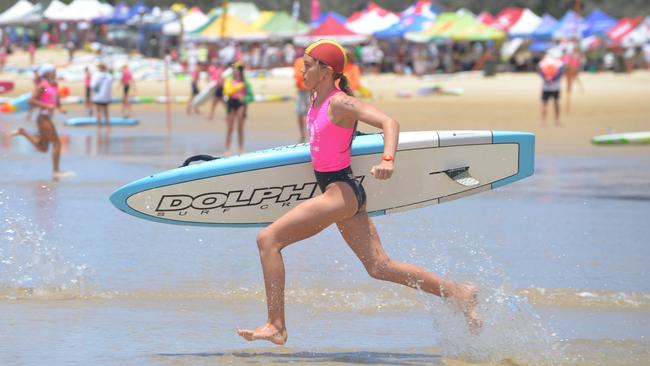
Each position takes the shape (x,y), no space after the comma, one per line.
(607,102)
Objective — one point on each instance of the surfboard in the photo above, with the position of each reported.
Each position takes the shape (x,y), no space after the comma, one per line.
(92,121)
(6,86)
(204,95)
(254,189)
(629,138)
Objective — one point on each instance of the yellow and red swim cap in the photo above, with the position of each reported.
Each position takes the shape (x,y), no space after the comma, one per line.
(328,52)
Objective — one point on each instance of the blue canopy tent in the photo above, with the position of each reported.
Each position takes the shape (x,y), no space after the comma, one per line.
(545,29)
(119,16)
(122,13)
(599,22)
(321,18)
(571,25)
(410,23)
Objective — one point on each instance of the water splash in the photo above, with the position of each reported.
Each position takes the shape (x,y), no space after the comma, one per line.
(33,265)
(512,331)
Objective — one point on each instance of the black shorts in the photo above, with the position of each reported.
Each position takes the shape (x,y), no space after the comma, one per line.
(87,92)
(218,92)
(546,95)
(195,89)
(126,89)
(233,105)
(102,104)
(344,175)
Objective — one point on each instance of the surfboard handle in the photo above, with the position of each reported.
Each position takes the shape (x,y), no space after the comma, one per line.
(194,158)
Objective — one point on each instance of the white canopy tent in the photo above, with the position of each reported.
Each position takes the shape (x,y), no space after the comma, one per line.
(639,36)
(192,21)
(525,25)
(83,10)
(371,22)
(22,12)
(55,10)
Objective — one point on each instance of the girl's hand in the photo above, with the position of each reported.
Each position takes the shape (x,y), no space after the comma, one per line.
(383,171)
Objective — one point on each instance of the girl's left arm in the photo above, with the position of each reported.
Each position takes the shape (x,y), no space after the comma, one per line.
(347,109)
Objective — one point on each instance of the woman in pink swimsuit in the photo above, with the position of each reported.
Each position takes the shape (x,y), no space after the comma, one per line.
(46,98)
(331,121)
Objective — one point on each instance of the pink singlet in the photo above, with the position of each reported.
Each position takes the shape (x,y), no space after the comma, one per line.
(48,96)
(329,143)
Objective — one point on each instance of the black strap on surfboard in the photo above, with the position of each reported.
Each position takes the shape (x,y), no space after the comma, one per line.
(194,158)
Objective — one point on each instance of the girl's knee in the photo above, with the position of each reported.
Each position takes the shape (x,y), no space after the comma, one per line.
(379,269)
(265,240)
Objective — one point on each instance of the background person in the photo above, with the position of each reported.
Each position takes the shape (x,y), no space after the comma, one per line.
(102,88)
(45,97)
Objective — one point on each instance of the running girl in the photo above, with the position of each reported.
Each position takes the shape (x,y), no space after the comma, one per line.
(331,122)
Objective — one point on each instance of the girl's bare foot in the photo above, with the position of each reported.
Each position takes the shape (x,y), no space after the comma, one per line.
(56,175)
(227,153)
(267,332)
(16,132)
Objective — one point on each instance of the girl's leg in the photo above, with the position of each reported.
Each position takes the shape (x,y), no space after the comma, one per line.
(230,122)
(98,113)
(49,135)
(213,107)
(106,116)
(305,220)
(361,235)
(240,128)
(33,139)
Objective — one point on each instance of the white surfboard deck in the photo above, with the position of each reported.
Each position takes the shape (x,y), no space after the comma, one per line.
(256,188)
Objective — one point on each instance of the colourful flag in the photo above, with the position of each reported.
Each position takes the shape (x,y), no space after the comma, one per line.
(315,10)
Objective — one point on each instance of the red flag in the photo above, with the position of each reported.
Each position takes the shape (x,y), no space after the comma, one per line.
(315,10)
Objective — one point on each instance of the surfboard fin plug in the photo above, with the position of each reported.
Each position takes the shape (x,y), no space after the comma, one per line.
(462,176)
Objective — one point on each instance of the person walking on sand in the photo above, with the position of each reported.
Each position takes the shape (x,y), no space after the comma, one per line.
(551,69)
(235,88)
(128,85)
(102,88)
(572,64)
(46,97)
(194,89)
(331,122)
(88,92)
(302,95)
(215,71)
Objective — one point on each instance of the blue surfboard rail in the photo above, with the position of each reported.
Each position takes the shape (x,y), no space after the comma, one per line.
(526,142)
(92,121)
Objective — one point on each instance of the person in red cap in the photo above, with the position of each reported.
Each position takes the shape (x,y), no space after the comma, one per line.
(332,122)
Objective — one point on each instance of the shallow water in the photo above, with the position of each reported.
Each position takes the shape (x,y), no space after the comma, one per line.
(561,259)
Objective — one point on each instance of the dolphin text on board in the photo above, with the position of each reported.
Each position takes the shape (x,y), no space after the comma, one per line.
(262,197)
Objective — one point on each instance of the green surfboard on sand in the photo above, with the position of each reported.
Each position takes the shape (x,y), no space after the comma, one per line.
(629,138)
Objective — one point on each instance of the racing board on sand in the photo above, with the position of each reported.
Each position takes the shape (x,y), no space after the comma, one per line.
(256,188)
(92,121)
(629,138)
